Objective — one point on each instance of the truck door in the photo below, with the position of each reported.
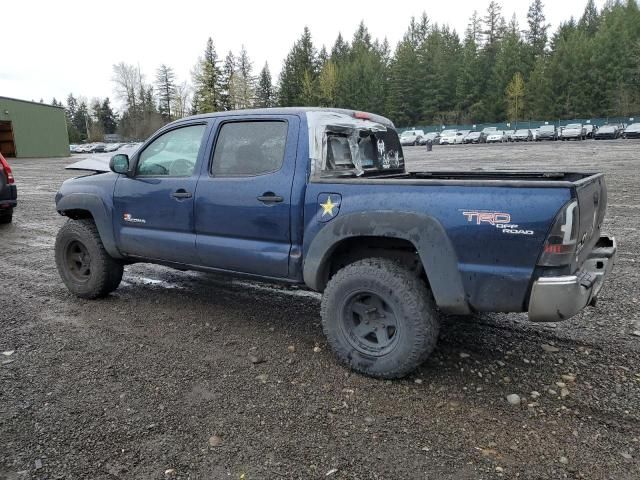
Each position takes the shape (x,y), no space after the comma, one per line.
(153,209)
(243,201)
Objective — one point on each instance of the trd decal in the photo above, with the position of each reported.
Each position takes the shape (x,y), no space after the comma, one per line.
(487,217)
(500,220)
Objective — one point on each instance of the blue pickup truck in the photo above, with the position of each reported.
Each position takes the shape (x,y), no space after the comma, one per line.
(321,197)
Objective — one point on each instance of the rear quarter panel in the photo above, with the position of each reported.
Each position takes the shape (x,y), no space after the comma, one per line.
(495,266)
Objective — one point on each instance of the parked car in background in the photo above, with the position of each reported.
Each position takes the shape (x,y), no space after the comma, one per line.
(411,137)
(86,148)
(499,136)
(632,131)
(509,134)
(546,132)
(522,135)
(98,148)
(589,130)
(451,137)
(472,137)
(573,131)
(433,136)
(607,132)
(486,132)
(77,149)
(112,147)
(8,191)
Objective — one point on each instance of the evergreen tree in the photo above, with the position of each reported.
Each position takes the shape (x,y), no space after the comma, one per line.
(166,86)
(406,88)
(207,81)
(590,20)
(537,33)
(467,91)
(80,120)
(265,94)
(246,81)
(299,72)
(539,99)
(493,21)
(107,117)
(228,82)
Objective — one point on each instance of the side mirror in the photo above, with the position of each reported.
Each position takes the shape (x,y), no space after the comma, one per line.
(119,163)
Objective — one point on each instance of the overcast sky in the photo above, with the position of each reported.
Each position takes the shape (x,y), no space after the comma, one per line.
(52,48)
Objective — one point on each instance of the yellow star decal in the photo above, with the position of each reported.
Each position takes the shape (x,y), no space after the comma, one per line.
(327,207)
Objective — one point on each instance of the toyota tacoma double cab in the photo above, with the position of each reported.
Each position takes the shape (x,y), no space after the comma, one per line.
(321,197)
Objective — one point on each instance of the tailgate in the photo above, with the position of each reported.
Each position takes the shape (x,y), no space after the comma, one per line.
(592,203)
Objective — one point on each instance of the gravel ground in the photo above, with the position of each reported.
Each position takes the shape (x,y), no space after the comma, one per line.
(187,375)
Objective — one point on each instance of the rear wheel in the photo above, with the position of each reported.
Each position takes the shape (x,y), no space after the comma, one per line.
(379,318)
(83,264)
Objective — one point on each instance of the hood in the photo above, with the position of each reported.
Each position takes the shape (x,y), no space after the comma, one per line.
(98,162)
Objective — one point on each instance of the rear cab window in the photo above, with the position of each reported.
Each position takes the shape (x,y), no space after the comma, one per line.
(343,145)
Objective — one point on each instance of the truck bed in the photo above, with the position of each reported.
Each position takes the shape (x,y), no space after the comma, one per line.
(474,178)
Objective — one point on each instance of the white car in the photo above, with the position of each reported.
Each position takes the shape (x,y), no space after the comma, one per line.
(411,137)
(574,131)
(451,137)
(497,137)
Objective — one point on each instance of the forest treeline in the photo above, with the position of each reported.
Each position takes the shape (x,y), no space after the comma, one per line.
(498,70)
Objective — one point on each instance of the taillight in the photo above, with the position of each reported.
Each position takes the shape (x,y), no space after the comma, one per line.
(7,170)
(560,246)
(362,115)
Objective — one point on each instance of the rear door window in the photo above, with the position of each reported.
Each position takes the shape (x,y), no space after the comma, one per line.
(249,148)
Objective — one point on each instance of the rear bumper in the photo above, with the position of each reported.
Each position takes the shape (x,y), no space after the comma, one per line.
(558,298)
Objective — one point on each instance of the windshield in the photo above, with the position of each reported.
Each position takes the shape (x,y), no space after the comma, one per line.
(634,126)
(574,125)
(432,135)
(546,128)
(446,133)
(408,133)
(522,132)
(607,128)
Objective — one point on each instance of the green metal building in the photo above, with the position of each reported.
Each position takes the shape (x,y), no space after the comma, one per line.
(30,129)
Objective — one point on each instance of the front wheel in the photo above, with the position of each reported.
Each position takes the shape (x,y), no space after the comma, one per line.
(379,318)
(83,264)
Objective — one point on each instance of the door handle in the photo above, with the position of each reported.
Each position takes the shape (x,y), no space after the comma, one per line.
(182,193)
(270,197)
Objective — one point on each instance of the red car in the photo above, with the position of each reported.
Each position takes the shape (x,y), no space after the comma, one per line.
(8,192)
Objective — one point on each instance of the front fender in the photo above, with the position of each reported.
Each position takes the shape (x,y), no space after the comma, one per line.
(424,232)
(102,216)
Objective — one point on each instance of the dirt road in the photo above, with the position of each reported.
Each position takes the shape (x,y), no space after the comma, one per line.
(187,375)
